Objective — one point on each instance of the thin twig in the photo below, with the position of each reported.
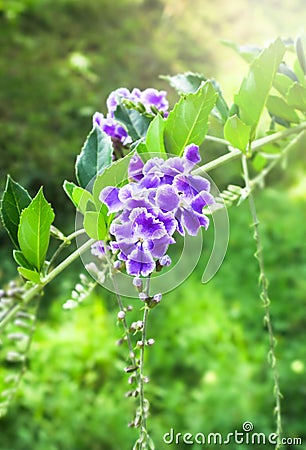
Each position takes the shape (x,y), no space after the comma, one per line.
(266,302)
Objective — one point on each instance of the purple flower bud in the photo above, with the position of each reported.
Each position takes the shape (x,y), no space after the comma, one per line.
(157,298)
(137,282)
(121,315)
(117,265)
(165,260)
(143,296)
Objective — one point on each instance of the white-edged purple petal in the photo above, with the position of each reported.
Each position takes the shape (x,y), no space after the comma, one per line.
(98,249)
(114,98)
(192,154)
(135,167)
(161,245)
(109,196)
(168,220)
(140,263)
(190,222)
(202,199)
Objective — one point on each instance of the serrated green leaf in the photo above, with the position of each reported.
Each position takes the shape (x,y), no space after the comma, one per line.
(296,97)
(15,198)
(186,83)
(34,230)
(255,88)
(21,260)
(30,275)
(95,226)
(237,133)
(79,196)
(114,175)
(155,136)
(278,107)
(95,156)
(136,123)
(187,123)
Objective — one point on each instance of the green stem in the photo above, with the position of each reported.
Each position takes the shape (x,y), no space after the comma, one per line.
(266,301)
(256,145)
(31,293)
(141,367)
(65,243)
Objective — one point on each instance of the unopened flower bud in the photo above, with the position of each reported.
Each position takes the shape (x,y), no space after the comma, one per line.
(150,341)
(121,315)
(117,265)
(143,296)
(129,308)
(165,260)
(139,344)
(137,282)
(157,298)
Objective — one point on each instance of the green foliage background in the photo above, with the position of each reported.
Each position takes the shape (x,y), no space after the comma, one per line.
(59,61)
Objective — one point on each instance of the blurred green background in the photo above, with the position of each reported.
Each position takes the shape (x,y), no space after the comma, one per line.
(59,59)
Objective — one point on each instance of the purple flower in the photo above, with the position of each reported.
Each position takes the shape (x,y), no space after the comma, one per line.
(111,128)
(162,197)
(148,98)
(98,249)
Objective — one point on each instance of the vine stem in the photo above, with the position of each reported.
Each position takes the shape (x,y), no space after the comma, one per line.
(123,321)
(141,368)
(234,153)
(266,302)
(31,293)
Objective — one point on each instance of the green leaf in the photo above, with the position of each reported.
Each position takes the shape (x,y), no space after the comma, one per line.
(282,83)
(296,97)
(34,230)
(186,83)
(30,275)
(237,133)
(114,175)
(95,156)
(278,107)
(255,88)
(95,226)
(139,146)
(299,47)
(79,196)
(136,123)
(15,198)
(247,52)
(155,135)
(259,162)
(188,122)
(21,260)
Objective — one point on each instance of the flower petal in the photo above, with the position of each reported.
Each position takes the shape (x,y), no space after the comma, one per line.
(109,196)
(167,198)
(192,154)
(140,263)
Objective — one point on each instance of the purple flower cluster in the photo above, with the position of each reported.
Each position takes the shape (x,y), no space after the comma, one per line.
(149,98)
(161,198)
